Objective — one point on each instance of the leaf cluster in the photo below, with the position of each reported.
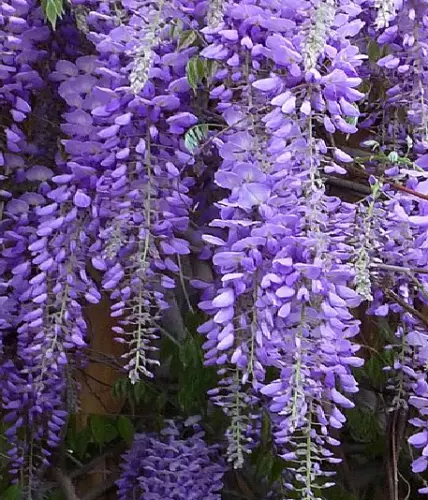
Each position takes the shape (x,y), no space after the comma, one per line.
(53,10)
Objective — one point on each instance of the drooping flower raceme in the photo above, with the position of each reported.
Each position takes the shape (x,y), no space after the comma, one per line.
(283,254)
(115,144)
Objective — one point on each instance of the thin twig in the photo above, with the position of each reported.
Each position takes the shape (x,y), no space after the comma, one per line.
(399,269)
(183,286)
(394,459)
(66,484)
(94,393)
(86,374)
(102,488)
(407,306)
(92,464)
(354,186)
(393,185)
(404,189)
(409,490)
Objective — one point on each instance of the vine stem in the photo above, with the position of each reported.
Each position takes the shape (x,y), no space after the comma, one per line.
(309,456)
(393,185)
(398,269)
(407,190)
(407,306)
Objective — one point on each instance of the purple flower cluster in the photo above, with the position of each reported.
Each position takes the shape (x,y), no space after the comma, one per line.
(32,385)
(280,244)
(137,202)
(161,107)
(289,273)
(21,34)
(172,466)
(114,199)
(399,221)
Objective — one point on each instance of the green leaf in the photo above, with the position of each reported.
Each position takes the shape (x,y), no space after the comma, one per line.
(194,378)
(200,68)
(122,388)
(264,465)
(187,38)
(211,67)
(81,442)
(176,28)
(195,135)
(143,392)
(126,429)
(189,352)
(71,435)
(161,401)
(277,469)
(111,433)
(53,10)
(191,75)
(266,429)
(195,72)
(12,493)
(352,120)
(363,425)
(97,425)
(56,494)
(373,51)
(192,320)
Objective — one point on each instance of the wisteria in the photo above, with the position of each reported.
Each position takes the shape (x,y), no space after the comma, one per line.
(169,466)
(261,162)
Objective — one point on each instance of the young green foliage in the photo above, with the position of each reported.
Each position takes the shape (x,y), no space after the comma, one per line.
(53,10)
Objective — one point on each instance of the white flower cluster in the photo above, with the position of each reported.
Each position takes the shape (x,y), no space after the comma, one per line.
(386,10)
(315,41)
